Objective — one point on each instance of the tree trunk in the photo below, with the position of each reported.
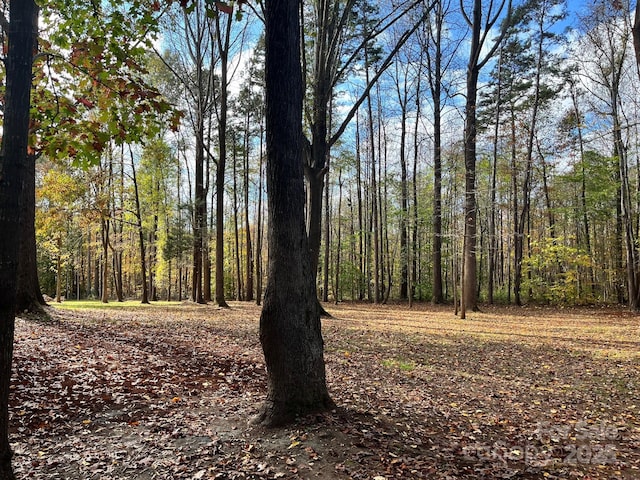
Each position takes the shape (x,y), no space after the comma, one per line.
(404,201)
(468,299)
(415,257)
(437,292)
(327,241)
(238,262)
(469,275)
(199,213)
(59,270)
(259,228)
(290,330)
(247,225)
(29,297)
(143,259)
(374,193)
(21,33)
(104,294)
(362,262)
(336,286)
(223,47)
(493,237)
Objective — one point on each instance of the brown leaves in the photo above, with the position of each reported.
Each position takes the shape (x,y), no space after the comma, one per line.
(166,392)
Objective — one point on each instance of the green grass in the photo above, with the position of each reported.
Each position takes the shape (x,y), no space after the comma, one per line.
(98,305)
(404,365)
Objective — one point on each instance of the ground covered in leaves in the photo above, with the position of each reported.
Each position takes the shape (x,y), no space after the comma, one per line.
(165,392)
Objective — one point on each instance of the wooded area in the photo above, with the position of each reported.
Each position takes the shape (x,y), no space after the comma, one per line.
(413,151)
(151,156)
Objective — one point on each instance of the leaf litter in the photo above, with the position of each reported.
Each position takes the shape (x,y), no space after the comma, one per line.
(167,392)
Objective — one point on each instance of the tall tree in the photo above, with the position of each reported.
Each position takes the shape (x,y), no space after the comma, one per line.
(29,297)
(607,34)
(191,60)
(439,57)
(481,23)
(222,39)
(290,329)
(332,60)
(23,21)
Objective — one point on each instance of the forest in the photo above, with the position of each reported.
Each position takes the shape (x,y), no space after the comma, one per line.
(149,144)
(424,213)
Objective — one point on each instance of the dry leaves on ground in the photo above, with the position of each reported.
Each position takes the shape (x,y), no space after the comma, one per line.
(165,392)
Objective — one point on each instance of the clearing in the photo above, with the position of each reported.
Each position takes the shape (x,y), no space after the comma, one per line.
(125,391)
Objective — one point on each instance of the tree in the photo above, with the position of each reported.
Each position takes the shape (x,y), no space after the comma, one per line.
(295,362)
(192,61)
(480,26)
(437,66)
(332,61)
(608,36)
(29,297)
(21,28)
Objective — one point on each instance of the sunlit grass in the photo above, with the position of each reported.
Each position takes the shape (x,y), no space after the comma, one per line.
(404,365)
(98,305)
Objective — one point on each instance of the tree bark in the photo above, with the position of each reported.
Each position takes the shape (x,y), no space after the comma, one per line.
(29,297)
(259,226)
(336,286)
(290,330)
(13,153)
(468,297)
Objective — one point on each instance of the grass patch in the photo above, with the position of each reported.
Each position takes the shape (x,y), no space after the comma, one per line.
(403,365)
(98,305)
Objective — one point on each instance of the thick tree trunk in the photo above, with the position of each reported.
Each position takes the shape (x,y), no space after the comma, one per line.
(290,330)
(469,274)
(468,298)
(23,15)
(29,297)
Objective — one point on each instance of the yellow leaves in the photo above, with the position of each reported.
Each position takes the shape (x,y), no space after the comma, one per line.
(175,399)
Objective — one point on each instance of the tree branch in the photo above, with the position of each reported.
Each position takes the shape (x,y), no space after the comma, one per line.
(403,39)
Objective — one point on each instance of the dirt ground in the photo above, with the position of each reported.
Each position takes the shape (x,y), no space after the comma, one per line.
(166,392)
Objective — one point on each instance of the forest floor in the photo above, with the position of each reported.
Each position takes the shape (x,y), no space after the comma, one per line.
(166,392)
